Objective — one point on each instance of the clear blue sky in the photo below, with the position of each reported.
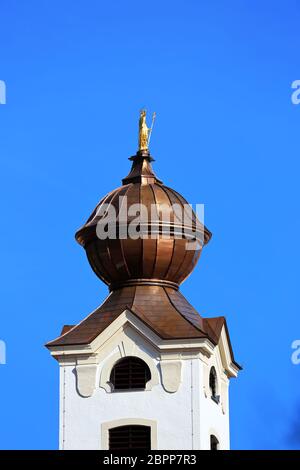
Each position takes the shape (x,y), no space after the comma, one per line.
(218,74)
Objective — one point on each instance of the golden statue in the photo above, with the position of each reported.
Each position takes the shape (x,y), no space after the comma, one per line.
(144,131)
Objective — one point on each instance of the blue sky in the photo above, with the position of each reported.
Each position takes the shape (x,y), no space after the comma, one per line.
(218,74)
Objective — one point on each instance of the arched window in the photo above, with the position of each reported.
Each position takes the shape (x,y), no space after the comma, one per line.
(213,385)
(214,443)
(130,373)
(130,437)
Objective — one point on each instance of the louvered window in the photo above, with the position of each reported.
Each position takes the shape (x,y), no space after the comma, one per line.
(130,437)
(213,385)
(130,373)
(214,443)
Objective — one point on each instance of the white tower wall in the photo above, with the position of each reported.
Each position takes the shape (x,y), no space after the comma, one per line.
(177,404)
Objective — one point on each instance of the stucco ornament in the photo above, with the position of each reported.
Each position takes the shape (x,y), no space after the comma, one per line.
(171,375)
(86,379)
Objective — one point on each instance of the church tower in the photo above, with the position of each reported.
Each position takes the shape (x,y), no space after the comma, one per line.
(144,370)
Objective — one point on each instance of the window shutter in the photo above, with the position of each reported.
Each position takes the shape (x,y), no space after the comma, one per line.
(130,437)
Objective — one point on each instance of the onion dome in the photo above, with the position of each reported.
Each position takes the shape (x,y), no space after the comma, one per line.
(143,240)
(143,233)
(143,271)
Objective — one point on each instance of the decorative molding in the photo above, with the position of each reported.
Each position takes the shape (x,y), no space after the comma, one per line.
(105,427)
(171,375)
(86,379)
(136,352)
(230,369)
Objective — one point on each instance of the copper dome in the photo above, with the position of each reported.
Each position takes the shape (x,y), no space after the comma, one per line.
(143,272)
(162,254)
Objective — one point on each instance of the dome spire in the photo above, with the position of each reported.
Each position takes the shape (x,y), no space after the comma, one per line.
(168,239)
(141,170)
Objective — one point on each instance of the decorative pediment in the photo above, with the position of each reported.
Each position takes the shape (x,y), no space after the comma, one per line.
(230,366)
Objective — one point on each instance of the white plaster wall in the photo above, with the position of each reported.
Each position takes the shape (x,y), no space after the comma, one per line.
(83,416)
(213,420)
(185,419)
